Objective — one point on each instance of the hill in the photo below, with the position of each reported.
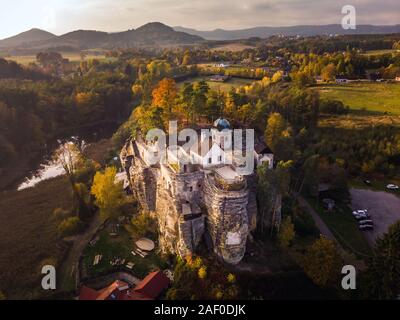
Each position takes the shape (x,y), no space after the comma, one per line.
(27,37)
(302,30)
(151,34)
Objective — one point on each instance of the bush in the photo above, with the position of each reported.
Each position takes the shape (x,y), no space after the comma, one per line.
(70,226)
(61,214)
(286,233)
(333,107)
(142,225)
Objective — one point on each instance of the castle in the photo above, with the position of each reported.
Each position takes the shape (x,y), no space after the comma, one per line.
(199,195)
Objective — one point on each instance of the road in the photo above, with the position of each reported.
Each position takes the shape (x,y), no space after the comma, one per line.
(69,267)
(383,207)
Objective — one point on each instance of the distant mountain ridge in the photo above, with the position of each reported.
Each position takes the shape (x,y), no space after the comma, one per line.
(27,37)
(150,34)
(302,30)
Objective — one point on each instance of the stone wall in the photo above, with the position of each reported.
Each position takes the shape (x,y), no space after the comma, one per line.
(227,221)
(230,215)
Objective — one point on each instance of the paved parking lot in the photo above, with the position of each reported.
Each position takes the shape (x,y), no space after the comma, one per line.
(383,207)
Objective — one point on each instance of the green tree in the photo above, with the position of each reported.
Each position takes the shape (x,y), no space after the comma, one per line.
(383,270)
(271,186)
(109,195)
(322,262)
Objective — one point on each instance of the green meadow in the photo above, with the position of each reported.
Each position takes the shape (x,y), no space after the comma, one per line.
(375,98)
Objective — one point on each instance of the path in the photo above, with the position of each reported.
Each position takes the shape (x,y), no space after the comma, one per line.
(70,265)
(323,228)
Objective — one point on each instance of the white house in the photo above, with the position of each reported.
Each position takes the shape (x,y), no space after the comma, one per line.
(263,154)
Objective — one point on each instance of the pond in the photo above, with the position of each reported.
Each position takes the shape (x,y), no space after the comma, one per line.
(51,167)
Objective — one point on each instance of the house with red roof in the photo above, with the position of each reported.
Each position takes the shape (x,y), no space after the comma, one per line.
(149,288)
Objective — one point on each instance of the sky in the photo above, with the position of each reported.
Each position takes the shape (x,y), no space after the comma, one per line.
(61,16)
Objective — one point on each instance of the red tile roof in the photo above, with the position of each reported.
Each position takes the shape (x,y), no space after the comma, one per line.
(148,289)
(153,284)
(88,294)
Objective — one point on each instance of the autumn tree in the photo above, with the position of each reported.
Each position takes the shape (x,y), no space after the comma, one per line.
(202,273)
(276,126)
(141,225)
(286,232)
(187,58)
(322,262)
(164,97)
(109,195)
(277,76)
(328,73)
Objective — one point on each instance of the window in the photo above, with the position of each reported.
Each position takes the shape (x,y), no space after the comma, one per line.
(219,158)
(209,160)
(191,189)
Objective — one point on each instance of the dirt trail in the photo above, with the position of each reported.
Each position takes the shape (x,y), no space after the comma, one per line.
(69,267)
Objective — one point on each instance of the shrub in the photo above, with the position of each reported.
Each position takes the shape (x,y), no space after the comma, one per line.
(142,225)
(70,226)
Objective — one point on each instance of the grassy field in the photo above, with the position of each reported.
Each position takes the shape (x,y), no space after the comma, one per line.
(28,236)
(377,184)
(344,227)
(358,121)
(71,56)
(379,52)
(378,98)
(119,247)
(234,47)
(223,86)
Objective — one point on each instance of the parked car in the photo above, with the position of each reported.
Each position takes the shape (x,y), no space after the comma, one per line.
(366,227)
(367,182)
(362,217)
(392,187)
(366,222)
(358,212)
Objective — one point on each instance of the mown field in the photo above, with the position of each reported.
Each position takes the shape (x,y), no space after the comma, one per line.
(358,121)
(29,237)
(379,52)
(223,86)
(71,56)
(234,47)
(378,98)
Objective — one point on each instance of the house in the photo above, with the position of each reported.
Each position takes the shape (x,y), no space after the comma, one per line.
(262,153)
(149,288)
(154,283)
(397,79)
(219,78)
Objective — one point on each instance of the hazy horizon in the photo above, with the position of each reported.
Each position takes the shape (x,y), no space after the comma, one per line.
(60,17)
